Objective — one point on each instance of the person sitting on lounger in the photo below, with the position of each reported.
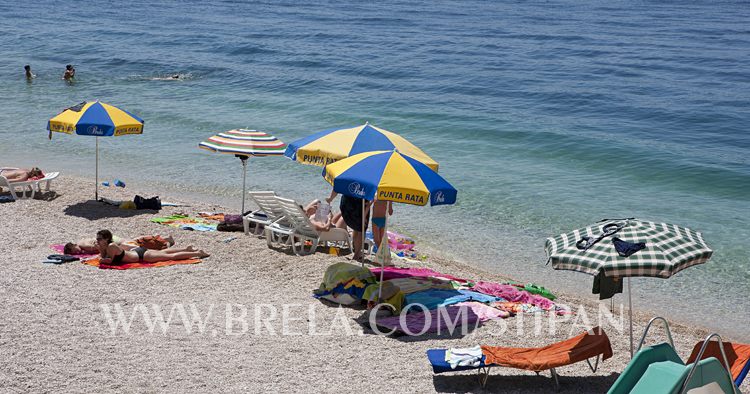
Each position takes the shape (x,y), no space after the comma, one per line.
(113,254)
(20,174)
(89,245)
(330,221)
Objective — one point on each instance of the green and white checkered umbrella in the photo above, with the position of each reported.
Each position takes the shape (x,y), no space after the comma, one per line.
(628,248)
(667,249)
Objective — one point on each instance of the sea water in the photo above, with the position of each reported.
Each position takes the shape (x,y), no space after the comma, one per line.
(546,116)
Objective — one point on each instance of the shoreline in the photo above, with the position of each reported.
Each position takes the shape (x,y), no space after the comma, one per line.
(56,311)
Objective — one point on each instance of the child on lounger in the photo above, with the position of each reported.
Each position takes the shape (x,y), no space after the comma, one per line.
(113,254)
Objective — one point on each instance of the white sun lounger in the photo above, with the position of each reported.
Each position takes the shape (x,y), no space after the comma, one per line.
(299,229)
(27,189)
(268,211)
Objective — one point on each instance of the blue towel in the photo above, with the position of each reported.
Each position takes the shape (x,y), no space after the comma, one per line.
(435,298)
(199,227)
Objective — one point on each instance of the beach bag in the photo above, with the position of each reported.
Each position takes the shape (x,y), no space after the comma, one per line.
(147,203)
(232,219)
(224,226)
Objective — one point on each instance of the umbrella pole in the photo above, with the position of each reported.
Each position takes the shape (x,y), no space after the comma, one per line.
(362,246)
(244,175)
(382,265)
(96,172)
(630,314)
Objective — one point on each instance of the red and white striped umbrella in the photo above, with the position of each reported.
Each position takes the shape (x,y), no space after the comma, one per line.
(244,143)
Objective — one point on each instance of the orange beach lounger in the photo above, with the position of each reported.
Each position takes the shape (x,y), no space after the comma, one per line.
(585,346)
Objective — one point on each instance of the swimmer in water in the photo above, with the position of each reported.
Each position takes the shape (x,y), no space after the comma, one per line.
(29,74)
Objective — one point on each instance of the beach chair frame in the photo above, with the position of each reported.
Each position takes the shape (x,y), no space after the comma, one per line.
(267,213)
(484,372)
(300,230)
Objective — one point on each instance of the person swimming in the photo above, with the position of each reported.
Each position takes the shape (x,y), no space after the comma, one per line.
(69,73)
(29,74)
(172,77)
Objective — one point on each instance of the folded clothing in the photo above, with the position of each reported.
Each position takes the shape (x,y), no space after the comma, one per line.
(464,357)
(156,242)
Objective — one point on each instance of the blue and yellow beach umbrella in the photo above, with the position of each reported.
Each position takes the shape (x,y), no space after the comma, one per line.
(328,146)
(389,176)
(96,119)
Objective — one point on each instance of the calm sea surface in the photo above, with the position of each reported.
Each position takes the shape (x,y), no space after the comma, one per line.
(546,116)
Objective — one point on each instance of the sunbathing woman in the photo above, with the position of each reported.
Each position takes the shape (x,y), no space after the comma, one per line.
(20,174)
(113,254)
(89,245)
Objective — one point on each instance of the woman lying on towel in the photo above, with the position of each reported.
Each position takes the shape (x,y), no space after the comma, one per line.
(20,174)
(89,245)
(113,254)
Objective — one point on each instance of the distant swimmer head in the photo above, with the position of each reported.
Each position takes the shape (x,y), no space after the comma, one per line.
(69,67)
(27,67)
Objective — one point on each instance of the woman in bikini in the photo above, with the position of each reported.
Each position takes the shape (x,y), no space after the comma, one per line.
(20,174)
(113,254)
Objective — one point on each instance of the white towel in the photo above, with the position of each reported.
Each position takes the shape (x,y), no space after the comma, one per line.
(464,357)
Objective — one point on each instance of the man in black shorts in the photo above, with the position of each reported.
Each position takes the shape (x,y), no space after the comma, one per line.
(351,211)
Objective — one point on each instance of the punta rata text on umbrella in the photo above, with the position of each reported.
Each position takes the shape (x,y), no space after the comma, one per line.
(389,176)
(244,143)
(624,248)
(96,119)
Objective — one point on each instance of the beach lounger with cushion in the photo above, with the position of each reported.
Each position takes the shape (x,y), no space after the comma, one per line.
(299,229)
(589,344)
(268,211)
(738,356)
(27,189)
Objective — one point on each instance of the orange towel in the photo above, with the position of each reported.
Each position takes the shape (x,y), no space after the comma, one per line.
(95,262)
(218,216)
(737,355)
(567,352)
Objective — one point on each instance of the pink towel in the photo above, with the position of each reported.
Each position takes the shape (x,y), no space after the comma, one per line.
(484,311)
(513,294)
(397,272)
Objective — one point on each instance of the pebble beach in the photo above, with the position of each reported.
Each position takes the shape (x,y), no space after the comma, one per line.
(261,328)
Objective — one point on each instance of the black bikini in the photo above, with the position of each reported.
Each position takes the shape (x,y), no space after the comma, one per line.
(141,251)
(118,259)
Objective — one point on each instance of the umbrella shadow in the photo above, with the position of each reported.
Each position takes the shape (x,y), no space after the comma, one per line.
(527,383)
(412,333)
(94,210)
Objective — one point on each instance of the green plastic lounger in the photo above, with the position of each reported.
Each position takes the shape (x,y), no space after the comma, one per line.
(590,344)
(658,369)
